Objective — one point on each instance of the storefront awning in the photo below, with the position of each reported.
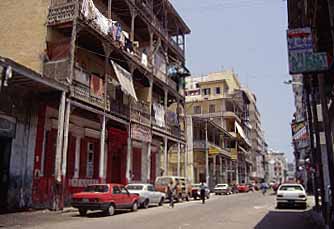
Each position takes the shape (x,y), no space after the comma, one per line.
(125,79)
(241,132)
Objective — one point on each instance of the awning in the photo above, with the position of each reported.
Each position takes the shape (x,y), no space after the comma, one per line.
(240,130)
(125,79)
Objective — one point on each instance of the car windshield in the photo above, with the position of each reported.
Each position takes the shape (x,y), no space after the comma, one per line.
(163,181)
(97,188)
(291,188)
(135,187)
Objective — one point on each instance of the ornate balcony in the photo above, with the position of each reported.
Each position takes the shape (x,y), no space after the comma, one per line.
(140,113)
(58,70)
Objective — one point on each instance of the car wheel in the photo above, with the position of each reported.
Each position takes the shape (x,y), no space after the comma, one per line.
(195,197)
(161,201)
(134,206)
(208,196)
(187,198)
(82,212)
(146,204)
(110,211)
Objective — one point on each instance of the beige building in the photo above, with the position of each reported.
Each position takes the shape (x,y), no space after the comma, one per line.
(219,97)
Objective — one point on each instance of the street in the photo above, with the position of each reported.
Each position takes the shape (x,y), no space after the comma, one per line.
(251,210)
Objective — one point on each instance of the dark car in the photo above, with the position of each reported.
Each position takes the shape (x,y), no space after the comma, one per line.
(105,197)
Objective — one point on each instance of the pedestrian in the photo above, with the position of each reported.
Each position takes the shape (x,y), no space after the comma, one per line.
(170,194)
(264,187)
(202,190)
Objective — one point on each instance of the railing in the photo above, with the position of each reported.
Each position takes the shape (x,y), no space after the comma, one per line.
(82,92)
(140,112)
(58,70)
(61,11)
(118,108)
(171,83)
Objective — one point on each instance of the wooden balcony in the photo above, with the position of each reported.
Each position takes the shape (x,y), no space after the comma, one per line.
(119,109)
(58,70)
(140,113)
(82,93)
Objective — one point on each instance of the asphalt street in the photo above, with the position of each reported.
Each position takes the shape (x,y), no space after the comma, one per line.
(251,210)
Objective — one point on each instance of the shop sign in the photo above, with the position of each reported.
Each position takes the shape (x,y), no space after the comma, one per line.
(213,151)
(307,62)
(300,40)
(234,154)
(141,133)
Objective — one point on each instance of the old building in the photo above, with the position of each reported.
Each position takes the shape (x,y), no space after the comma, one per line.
(96,94)
(219,97)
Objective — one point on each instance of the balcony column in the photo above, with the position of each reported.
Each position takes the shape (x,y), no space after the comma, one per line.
(109,9)
(220,169)
(107,51)
(133,18)
(178,159)
(214,173)
(149,146)
(165,156)
(66,130)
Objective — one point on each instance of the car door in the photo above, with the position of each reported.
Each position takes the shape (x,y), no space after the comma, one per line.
(126,198)
(152,194)
(117,196)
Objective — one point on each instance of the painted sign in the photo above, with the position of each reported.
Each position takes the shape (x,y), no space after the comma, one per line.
(141,133)
(299,131)
(300,40)
(213,151)
(234,154)
(307,62)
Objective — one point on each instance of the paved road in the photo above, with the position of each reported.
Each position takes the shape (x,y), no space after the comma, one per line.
(240,211)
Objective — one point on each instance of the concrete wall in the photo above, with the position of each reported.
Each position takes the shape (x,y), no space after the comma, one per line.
(23,31)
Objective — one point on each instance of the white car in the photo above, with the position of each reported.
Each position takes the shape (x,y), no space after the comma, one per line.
(222,189)
(147,193)
(291,195)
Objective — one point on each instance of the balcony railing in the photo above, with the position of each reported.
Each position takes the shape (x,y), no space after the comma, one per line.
(140,112)
(58,70)
(119,108)
(82,92)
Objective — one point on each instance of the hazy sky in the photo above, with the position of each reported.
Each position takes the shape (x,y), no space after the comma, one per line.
(248,36)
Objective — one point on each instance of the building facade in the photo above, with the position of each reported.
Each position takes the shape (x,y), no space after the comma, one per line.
(96,94)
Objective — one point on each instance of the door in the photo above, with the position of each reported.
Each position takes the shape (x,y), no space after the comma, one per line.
(136,164)
(5,149)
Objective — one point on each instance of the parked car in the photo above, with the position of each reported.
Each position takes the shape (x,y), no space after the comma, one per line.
(243,188)
(105,197)
(291,195)
(182,184)
(196,191)
(222,189)
(147,193)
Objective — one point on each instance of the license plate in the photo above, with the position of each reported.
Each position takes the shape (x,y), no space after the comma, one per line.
(85,200)
(291,201)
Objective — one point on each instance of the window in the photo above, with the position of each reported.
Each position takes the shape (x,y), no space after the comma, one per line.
(97,188)
(206,91)
(124,191)
(116,190)
(135,187)
(217,90)
(150,188)
(197,109)
(212,108)
(197,85)
(90,160)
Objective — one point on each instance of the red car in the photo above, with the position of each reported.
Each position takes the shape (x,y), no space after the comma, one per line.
(243,188)
(105,197)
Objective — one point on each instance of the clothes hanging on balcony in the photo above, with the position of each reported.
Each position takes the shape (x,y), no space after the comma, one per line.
(159,114)
(172,118)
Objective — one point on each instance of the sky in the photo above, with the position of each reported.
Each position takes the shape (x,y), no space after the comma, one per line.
(248,36)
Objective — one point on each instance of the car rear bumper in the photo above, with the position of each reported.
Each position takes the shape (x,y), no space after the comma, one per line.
(223,191)
(91,206)
(291,201)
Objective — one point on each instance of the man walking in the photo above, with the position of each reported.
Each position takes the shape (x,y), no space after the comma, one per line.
(202,190)
(170,194)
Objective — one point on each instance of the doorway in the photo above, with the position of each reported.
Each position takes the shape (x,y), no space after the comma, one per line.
(5,151)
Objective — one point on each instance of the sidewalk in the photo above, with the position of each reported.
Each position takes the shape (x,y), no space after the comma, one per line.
(32,217)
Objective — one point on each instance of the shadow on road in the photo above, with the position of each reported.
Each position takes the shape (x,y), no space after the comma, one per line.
(287,219)
(100,214)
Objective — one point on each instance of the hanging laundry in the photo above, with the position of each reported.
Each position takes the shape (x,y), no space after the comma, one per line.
(159,114)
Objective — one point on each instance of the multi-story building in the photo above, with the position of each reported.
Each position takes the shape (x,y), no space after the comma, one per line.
(218,97)
(91,91)
(257,139)
(208,149)
(277,166)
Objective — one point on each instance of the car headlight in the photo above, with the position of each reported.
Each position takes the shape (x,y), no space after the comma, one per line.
(302,196)
(279,195)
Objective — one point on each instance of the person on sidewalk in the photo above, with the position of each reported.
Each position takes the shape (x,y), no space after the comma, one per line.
(202,190)
(264,187)
(170,194)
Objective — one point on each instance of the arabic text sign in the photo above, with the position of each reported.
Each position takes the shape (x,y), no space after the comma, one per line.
(300,40)
(307,62)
